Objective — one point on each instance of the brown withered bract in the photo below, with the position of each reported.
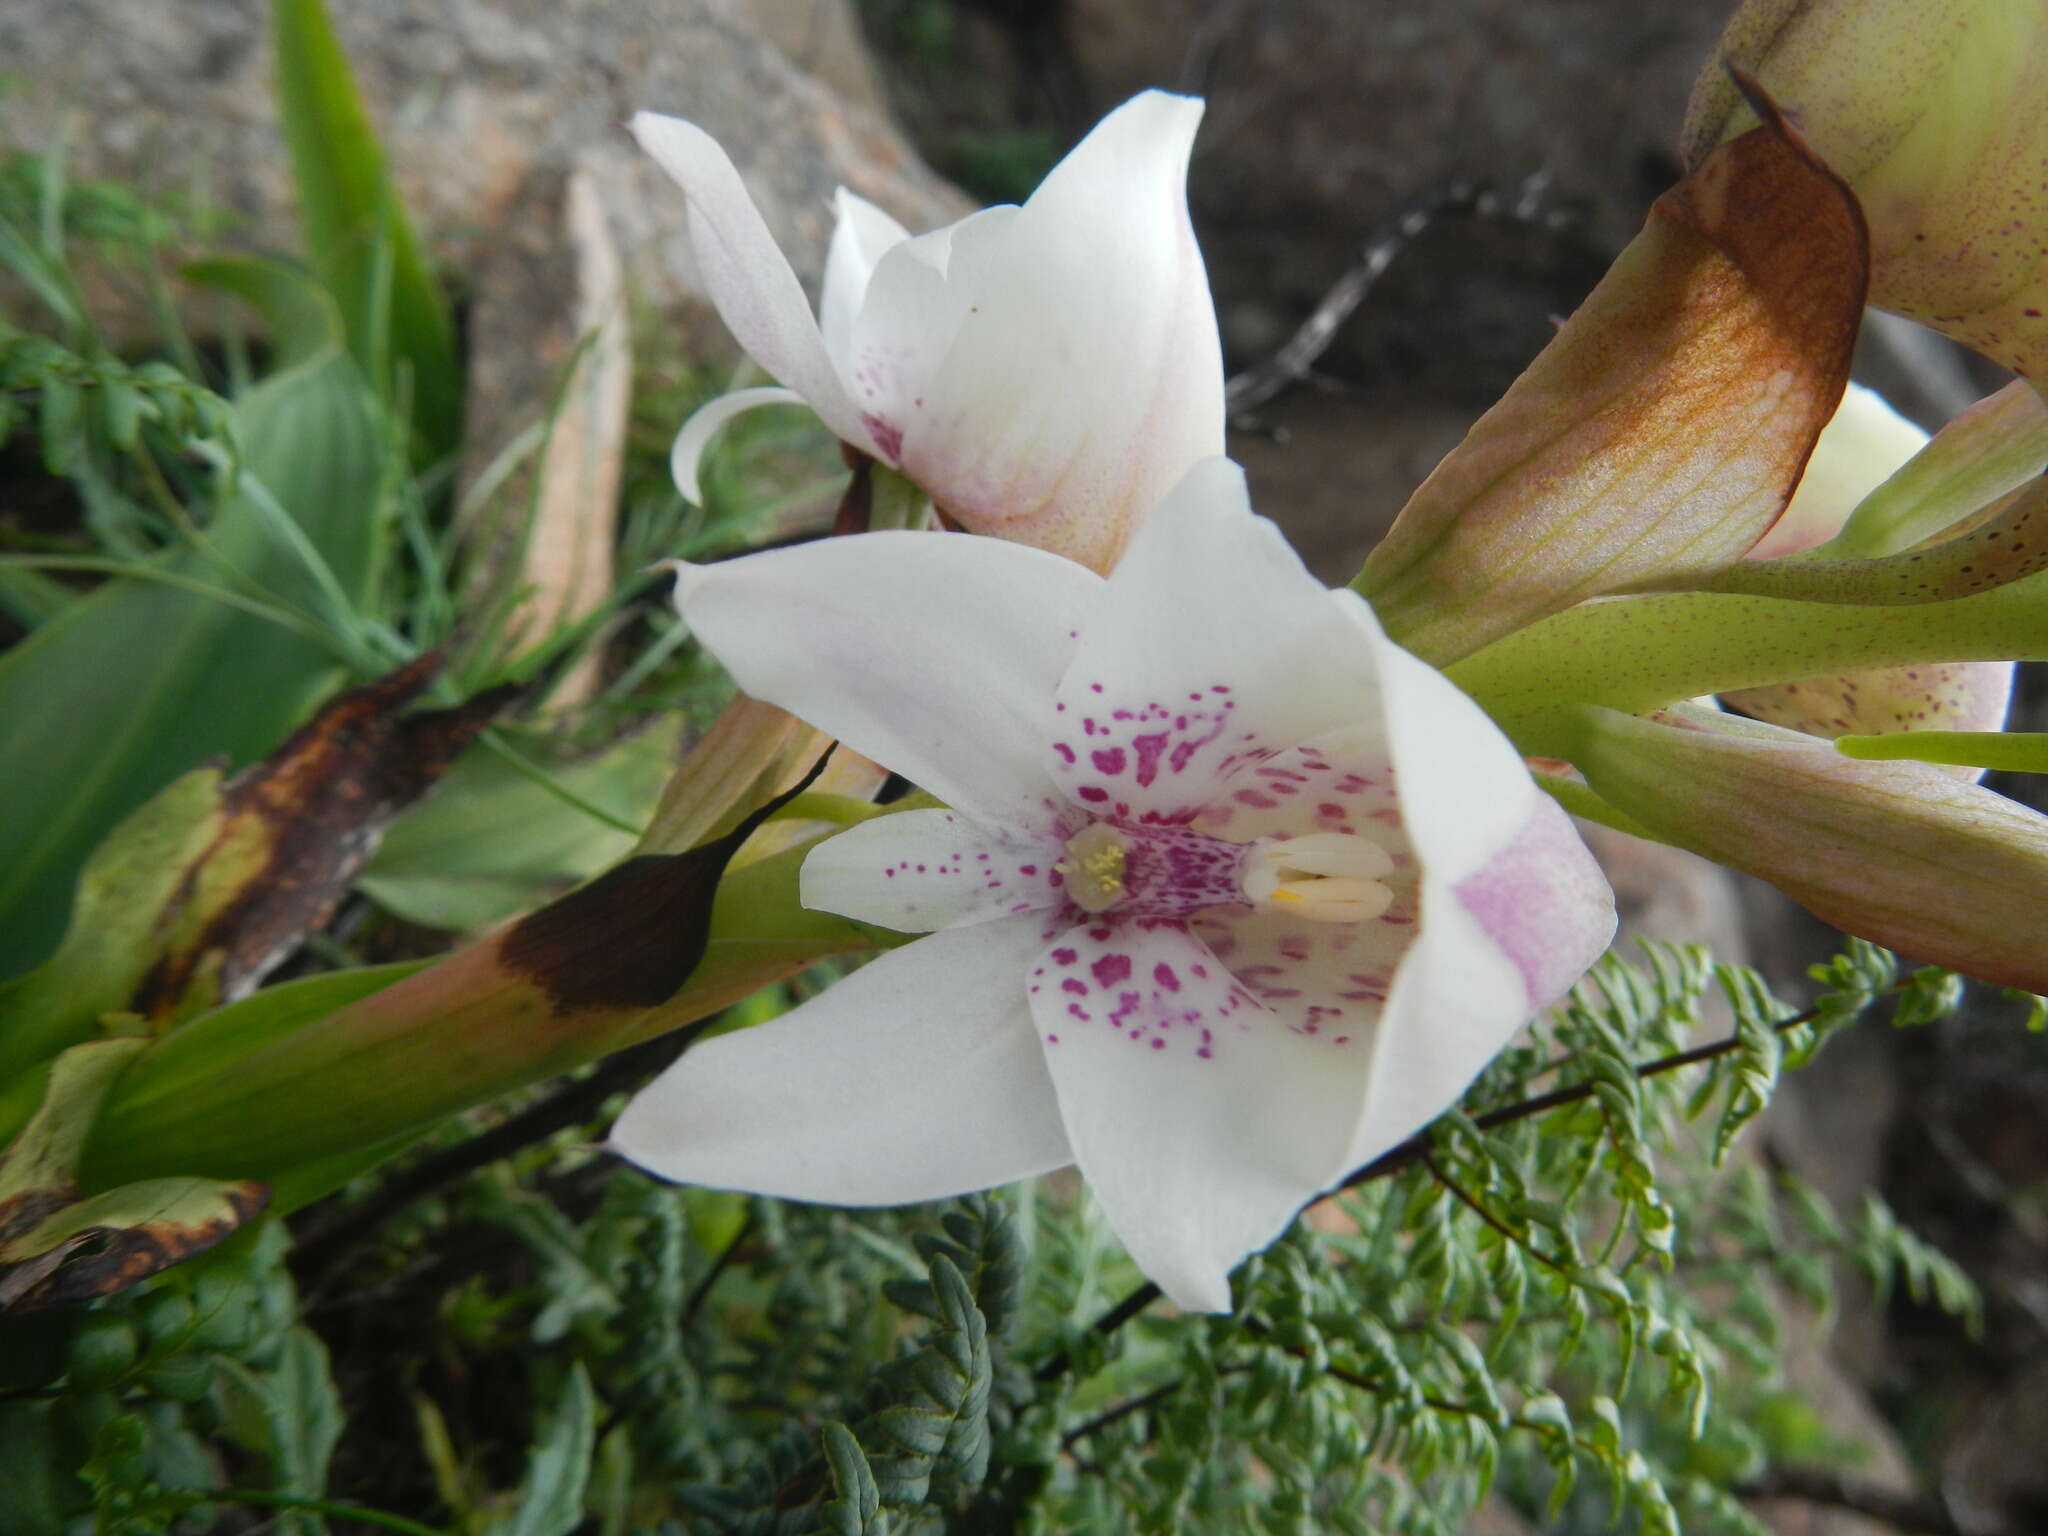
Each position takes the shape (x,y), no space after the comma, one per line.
(297,830)
(1660,434)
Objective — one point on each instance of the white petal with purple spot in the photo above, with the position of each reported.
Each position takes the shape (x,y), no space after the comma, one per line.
(931,654)
(1214,651)
(1201,1122)
(917,871)
(915,1078)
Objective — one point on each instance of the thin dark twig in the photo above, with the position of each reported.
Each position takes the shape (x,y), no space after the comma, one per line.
(1472,1203)
(1121,1410)
(570,1105)
(1245,392)
(1416,1149)
(1836,1490)
(718,1267)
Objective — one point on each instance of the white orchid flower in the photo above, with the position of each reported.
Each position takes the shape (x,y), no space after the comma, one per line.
(1232,894)
(1043,373)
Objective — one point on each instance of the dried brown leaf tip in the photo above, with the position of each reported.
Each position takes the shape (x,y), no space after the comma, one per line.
(297,829)
(1661,432)
(631,938)
(58,1246)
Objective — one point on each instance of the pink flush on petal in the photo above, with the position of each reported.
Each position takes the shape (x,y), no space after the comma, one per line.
(1535,900)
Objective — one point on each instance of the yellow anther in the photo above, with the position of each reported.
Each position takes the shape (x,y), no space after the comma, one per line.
(1094,868)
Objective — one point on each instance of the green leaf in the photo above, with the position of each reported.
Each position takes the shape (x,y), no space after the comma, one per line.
(111,942)
(302,317)
(399,327)
(558,1470)
(858,1509)
(494,842)
(142,680)
(292,1416)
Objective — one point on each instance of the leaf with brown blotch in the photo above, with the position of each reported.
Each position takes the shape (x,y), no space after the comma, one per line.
(1935,112)
(296,830)
(58,1247)
(658,943)
(1899,853)
(1659,435)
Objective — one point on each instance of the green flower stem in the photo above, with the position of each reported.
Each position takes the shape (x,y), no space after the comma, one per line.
(236,1091)
(2009,751)
(1641,653)
(1582,802)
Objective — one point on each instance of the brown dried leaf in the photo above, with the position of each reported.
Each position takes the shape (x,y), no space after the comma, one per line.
(296,831)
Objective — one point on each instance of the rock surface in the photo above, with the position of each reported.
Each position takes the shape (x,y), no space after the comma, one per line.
(475,98)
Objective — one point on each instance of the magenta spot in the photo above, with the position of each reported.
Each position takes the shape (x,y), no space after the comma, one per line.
(1066,752)
(1075,1010)
(888,874)
(1163,974)
(1157,1043)
(1111,969)
(1094,794)
(888,438)
(1055,1040)
(1333,812)
(1027,869)
(1108,759)
(1095,687)
(1201,972)
(1065,956)
(1254,799)
(1075,985)
(1148,749)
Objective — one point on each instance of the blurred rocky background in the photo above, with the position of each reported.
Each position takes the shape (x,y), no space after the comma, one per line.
(1327,120)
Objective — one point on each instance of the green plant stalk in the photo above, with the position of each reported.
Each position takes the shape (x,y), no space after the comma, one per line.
(455,1035)
(1635,654)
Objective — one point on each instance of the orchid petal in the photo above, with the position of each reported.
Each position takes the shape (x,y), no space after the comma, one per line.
(1512,908)
(917,871)
(1899,853)
(1340,781)
(921,292)
(1328,979)
(1201,1121)
(748,278)
(859,240)
(932,654)
(1089,375)
(915,1078)
(706,422)
(1215,649)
